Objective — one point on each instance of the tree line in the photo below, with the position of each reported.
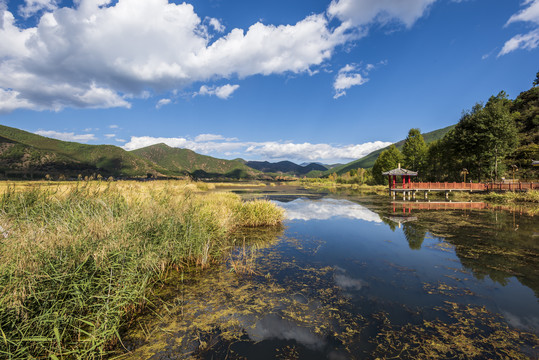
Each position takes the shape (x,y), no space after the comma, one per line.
(490,141)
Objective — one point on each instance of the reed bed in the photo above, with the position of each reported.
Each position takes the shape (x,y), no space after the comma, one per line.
(78,260)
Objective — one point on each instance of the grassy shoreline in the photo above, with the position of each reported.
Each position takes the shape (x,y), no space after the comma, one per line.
(78,260)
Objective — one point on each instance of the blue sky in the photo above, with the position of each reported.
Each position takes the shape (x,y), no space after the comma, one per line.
(304,80)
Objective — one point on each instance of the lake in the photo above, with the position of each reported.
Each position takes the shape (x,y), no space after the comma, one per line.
(353,276)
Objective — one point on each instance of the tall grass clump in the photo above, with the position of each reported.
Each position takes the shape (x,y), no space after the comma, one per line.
(78,261)
(531,196)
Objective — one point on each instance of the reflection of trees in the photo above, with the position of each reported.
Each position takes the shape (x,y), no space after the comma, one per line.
(496,244)
(392,225)
(415,234)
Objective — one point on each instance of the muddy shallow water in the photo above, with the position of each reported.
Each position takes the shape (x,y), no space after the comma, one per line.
(354,276)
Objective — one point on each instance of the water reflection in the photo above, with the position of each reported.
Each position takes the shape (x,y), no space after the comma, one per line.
(415,235)
(325,209)
(275,327)
(337,284)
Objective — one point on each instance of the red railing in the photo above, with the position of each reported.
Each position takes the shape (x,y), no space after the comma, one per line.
(441,186)
(513,186)
(516,186)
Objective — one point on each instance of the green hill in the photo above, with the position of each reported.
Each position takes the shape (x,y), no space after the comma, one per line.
(285,167)
(68,158)
(367,162)
(175,161)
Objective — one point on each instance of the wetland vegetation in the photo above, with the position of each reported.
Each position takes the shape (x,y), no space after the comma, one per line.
(78,260)
(159,270)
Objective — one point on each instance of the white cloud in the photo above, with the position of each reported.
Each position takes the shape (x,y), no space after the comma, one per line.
(113,126)
(347,77)
(527,41)
(209,137)
(216,24)
(110,136)
(529,14)
(120,140)
(313,152)
(31,7)
(162,103)
(222,92)
(89,56)
(217,145)
(66,136)
(364,12)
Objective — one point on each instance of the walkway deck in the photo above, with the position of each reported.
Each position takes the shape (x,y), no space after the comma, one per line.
(411,189)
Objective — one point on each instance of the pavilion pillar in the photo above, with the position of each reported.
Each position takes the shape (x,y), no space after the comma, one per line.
(389,178)
(403,181)
(394,181)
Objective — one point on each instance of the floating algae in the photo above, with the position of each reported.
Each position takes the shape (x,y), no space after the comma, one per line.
(470,332)
(224,307)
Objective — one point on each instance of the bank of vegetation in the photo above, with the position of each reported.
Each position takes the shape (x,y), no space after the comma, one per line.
(78,260)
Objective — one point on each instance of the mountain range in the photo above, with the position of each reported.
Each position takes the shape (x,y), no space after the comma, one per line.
(27,155)
(286,167)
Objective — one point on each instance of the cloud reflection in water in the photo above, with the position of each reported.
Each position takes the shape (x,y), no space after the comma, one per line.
(325,209)
(275,327)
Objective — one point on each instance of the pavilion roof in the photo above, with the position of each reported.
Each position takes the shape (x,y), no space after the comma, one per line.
(400,171)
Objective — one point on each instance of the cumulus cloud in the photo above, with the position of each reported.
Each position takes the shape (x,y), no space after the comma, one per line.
(312,152)
(66,136)
(216,25)
(222,92)
(110,136)
(217,145)
(162,103)
(527,41)
(89,55)
(31,7)
(364,12)
(348,77)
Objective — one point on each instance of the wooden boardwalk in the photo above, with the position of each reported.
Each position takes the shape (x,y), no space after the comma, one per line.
(410,189)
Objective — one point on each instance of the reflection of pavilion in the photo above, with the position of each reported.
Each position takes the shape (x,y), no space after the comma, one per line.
(399,220)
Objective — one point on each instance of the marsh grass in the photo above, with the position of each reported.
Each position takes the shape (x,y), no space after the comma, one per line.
(514,197)
(77,260)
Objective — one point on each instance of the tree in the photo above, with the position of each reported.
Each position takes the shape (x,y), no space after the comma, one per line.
(414,150)
(437,161)
(536,81)
(483,137)
(388,160)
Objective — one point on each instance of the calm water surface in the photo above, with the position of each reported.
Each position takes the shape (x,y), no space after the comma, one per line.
(359,277)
